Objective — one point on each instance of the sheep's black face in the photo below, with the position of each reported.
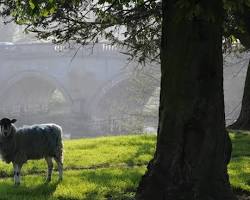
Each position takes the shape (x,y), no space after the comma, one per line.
(6,126)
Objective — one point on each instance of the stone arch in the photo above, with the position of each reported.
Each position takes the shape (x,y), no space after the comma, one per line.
(116,110)
(93,101)
(109,85)
(19,76)
(35,97)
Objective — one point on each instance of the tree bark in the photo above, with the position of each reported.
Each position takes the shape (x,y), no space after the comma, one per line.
(193,147)
(243,121)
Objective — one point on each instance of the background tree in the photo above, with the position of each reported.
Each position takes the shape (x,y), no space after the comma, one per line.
(238,24)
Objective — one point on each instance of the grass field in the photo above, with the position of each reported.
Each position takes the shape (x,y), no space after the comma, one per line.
(106,168)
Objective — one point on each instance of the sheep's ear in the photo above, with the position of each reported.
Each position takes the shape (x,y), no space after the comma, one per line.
(13,121)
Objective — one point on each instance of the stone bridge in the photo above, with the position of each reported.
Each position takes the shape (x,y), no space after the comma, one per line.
(86,89)
(43,81)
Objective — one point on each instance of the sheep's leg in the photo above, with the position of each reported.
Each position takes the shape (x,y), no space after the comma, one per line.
(17,173)
(50,168)
(60,167)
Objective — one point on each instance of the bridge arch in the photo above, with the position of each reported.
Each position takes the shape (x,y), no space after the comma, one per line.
(34,96)
(94,100)
(117,80)
(35,74)
(119,107)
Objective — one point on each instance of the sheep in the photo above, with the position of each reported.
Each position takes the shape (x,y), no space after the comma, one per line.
(31,143)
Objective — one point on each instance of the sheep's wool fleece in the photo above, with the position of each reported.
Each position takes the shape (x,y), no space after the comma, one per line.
(39,140)
(34,142)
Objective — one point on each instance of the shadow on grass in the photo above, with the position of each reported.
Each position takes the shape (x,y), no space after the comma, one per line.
(4,174)
(10,191)
(240,192)
(115,184)
(241,144)
(145,149)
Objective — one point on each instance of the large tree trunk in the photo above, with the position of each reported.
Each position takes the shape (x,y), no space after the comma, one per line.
(243,121)
(193,147)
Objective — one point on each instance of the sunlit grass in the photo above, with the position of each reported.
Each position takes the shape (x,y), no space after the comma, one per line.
(106,168)
(103,151)
(239,167)
(85,184)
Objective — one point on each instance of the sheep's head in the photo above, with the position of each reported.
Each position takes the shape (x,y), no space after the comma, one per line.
(6,126)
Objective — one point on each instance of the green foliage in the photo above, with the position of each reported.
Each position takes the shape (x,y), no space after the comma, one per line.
(237,22)
(135,24)
(107,168)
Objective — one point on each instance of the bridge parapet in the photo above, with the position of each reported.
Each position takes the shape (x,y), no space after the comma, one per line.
(54,50)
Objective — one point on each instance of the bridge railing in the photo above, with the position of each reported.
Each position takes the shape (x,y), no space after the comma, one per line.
(50,50)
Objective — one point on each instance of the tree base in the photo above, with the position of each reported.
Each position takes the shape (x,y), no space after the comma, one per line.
(156,186)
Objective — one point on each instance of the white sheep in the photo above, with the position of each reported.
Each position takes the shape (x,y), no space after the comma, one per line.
(31,143)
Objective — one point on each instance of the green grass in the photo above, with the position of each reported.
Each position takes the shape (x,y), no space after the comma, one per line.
(96,152)
(78,184)
(96,168)
(106,168)
(239,167)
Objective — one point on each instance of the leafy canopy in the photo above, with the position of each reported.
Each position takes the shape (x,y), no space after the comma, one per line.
(135,24)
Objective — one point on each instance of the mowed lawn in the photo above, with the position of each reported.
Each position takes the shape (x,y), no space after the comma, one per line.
(106,168)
